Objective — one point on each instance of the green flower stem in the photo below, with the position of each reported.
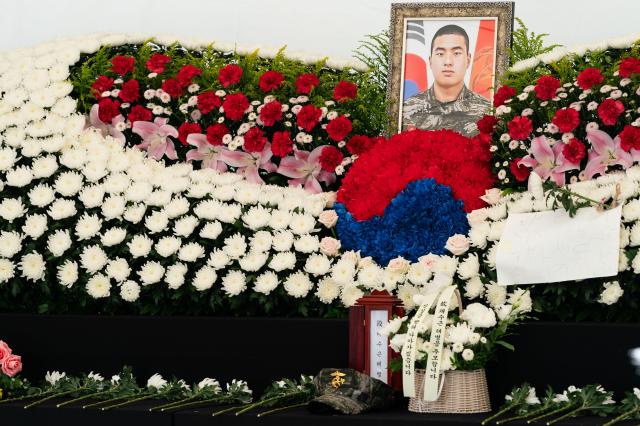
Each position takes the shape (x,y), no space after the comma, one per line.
(573,194)
(106,401)
(157,407)
(225,410)
(189,404)
(550,413)
(80,398)
(131,401)
(500,412)
(275,410)
(55,395)
(264,401)
(621,417)
(21,398)
(566,415)
(522,416)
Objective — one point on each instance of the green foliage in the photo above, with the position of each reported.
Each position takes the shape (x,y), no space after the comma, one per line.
(527,44)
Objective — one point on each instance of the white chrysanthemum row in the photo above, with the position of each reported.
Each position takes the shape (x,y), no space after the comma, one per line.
(579,50)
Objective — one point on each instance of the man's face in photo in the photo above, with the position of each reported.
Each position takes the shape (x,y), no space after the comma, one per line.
(449,59)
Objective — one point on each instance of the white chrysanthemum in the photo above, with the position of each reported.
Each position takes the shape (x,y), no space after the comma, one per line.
(33,266)
(93,258)
(7,270)
(151,273)
(474,288)
(11,209)
(185,226)
(156,222)
(247,193)
(88,226)
(167,246)
(68,184)
(495,232)
(405,293)
(93,171)
(91,196)
(113,236)
(98,286)
(174,276)
(280,219)
(491,256)
(317,264)
(138,191)
(469,267)
(130,291)
(8,158)
(211,230)
(234,283)
(59,242)
(261,241)
(391,279)
(113,207)
(520,299)
(343,271)
(631,211)
(418,274)
(199,190)
(350,294)
(446,265)
(19,177)
(118,269)
(307,244)
(116,183)
(204,279)
(135,213)
(140,246)
(282,241)
(611,293)
(229,213)
(298,284)
(68,273)
(302,223)
(458,333)
(371,276)
(41,195)
(479,316)
(177,207)
(235,246)
(224,192)
(253,261)
(35,225)
(634,236)
(266,282)
(208,209)
(73,158)
(478,234)
(282,261)
(327,290)
(496,294)
(191,252)
(159,198)
(62,209)
(256,217)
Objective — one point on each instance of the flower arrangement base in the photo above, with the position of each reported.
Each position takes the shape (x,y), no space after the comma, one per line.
(463,392)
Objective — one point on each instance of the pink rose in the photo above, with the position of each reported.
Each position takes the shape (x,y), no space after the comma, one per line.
(365,261)
(330,198)
(477,216)
(399,264)
(5,351)
(328,218)
(330,246)
(457,244)
(352,256)
(491,196)
(12,365)
(429,260)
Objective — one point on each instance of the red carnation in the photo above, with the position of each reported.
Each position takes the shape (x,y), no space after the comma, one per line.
(574,151)
(520,128)
(108,109)
(629,66)
(566,119)
(503,93)
(187,73)
(308,117)
(589,77)
(359,144)
(215,133)
(486,124)
(122,64)
(230,74)
(630,138)
(306,82)
(546,87)
(339,128)
(130,91)
(172,87)
(270,80)
(139,113)
(208,101)
(330,158)
(271,113)
(609,111)
(344,91)
(186,129)
(102,84)
(235,105)
(520,172)
(281,145)
(157,62)
(254,140)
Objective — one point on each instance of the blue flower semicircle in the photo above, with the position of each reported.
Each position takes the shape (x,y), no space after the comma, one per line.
(419,220)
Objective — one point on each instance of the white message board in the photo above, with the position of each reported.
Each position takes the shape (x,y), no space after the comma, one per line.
(550,246)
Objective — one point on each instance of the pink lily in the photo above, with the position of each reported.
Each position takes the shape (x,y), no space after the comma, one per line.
(249,163)
(606,152)
(305,169)
(210,155)
(105,128)
(155,138)
(548,162)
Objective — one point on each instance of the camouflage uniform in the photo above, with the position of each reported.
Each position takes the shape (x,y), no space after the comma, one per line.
(424,111)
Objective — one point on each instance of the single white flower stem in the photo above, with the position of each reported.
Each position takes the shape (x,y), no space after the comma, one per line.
(55,395)
(522,416)
(264,401)
(497,414)
(566,415)
(189,404)
(225,410)
(621,417)
(71,401)
(20,398)
(122,404)
(275,410)
(157,407)
(106,401)
(550,413)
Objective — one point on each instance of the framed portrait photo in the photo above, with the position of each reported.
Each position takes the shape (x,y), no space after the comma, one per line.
(444,63)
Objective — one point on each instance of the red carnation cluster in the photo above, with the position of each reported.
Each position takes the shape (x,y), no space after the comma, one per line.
(505,92)
(230,75)
(102,84)
(157,62)
(130,91)
(630,138)
(122,64)
(173,87)
(330,158)
(339,128)
(270,80)
(487,123)
(281,145)
(574,151)
(187,73)
(208,101)
(589,77)
(567,119)
(254,140)
(344,91)
(108,109)
(139,113)
(546,87)
(629,66)
(235,105)
(215,133)
(271,113)
(520,128)
(359,144)
(186,129)
(519,171)
(609,111)
(308,117)
(451,159)
(306,82)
